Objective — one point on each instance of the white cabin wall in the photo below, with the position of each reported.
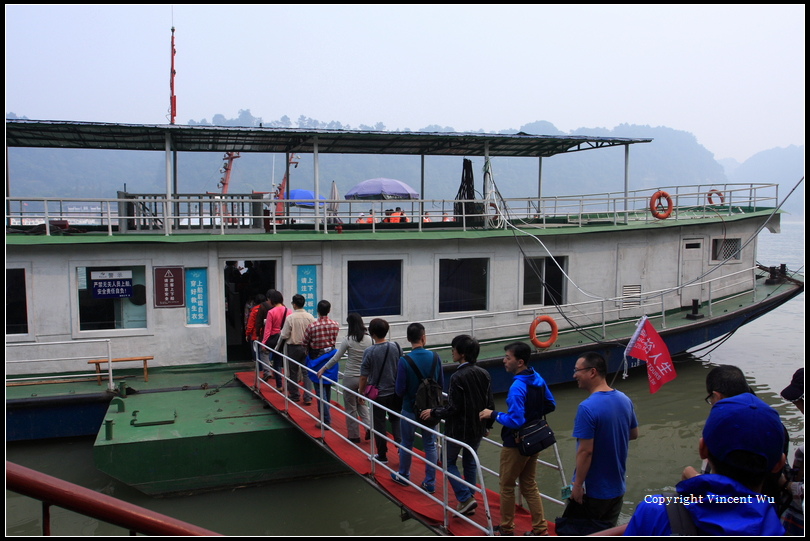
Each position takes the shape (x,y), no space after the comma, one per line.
(53,310)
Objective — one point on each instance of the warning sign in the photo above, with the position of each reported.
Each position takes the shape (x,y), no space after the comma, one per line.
(170,287)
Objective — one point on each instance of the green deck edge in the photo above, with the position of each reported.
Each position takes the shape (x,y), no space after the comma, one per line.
(555,227)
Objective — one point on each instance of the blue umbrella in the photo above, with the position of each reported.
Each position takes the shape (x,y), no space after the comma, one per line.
(304,194)
(382,188)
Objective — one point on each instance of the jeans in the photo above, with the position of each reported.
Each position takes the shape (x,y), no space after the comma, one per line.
(324,399)
(428,439)
(462,491)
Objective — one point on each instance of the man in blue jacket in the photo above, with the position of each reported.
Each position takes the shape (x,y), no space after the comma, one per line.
(528,399)
(743,441)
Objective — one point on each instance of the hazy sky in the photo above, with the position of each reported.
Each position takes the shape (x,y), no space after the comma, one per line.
(731,75)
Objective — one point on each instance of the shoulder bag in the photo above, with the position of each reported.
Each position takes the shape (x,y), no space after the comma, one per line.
(534,436)
(372,391)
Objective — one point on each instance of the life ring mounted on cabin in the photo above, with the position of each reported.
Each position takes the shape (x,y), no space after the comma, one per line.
(657,209)
(533,332)
(718,193)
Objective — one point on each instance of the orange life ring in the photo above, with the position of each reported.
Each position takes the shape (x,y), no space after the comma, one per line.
(533,331)
(719,194)
(657,196)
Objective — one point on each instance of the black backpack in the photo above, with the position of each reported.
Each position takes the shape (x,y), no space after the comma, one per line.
(428,394)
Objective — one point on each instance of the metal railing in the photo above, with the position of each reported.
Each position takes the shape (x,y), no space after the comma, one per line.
(220,213)
(263,366)
(599,314)
(33,377)
(52,491)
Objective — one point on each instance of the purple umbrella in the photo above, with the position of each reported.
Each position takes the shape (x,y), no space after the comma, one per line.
(382,188)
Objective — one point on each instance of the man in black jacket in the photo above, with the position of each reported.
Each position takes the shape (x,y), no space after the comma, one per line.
(470,392)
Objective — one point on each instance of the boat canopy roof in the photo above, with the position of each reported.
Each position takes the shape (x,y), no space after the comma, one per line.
(68,134)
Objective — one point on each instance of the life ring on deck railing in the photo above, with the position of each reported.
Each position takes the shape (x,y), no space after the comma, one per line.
(655,208)
(719,195)
(533,331)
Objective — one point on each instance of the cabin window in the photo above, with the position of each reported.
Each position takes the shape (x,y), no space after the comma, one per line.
(16,302)
(111,298)
(723,249)
(375,287)
(463,284)
(543,280)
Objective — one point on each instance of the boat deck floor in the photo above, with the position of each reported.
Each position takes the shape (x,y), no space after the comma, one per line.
(428,509)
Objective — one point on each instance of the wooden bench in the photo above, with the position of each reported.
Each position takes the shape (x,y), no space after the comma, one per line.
(145,359)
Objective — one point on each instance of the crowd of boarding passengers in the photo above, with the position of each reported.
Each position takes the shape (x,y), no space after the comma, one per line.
(745,487)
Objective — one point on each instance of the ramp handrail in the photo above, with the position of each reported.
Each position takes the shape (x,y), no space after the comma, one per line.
(261,365)
(53,491)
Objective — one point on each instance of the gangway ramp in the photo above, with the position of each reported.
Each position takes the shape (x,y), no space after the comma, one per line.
(436,511)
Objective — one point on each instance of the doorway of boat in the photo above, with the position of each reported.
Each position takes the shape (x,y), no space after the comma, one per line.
(693,256)
(244,279)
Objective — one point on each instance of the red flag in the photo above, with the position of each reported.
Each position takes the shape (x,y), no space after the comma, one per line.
(648,346)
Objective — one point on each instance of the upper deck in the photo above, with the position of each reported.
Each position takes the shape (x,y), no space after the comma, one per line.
(253,217)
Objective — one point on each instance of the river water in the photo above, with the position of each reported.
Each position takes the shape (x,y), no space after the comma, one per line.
(768,350)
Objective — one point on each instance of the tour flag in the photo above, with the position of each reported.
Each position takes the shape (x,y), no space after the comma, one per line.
(648,346)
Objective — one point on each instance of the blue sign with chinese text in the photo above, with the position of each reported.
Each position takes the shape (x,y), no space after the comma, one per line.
(307,285)
(197,296)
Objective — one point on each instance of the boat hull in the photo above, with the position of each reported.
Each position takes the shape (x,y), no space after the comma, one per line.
(556,364)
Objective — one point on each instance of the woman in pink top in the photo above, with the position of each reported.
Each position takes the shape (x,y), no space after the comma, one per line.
(272,329)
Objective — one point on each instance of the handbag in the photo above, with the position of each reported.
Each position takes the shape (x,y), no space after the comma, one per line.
(534,437)
(372,391)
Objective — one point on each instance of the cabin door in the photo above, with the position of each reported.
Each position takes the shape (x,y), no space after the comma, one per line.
(693,255)
(243,280)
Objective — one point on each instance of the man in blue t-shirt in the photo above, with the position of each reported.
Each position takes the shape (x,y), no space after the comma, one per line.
(604,425)
(430,366)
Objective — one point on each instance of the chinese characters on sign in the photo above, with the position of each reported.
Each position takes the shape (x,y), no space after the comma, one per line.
(308,286)
(197,288)
(169,287)
(111,284)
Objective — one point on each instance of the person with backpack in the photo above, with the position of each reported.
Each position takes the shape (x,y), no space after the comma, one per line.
(470,392)
(528,399)
(419,378)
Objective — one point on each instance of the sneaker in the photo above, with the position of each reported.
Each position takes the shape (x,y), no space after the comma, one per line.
(532,532)
(500,531)
(354,440)
(430,489)
(381,459)
(399,479)
(368,434)
(468,507)
(307,402)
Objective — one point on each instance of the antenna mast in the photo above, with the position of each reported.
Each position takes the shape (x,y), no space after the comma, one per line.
(172,97)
